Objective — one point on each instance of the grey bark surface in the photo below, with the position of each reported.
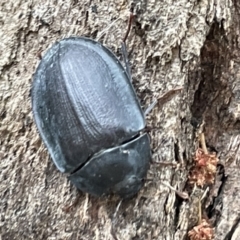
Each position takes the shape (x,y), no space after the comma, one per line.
(193,45)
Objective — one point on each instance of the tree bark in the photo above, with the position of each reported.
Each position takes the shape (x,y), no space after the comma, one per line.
(188,45)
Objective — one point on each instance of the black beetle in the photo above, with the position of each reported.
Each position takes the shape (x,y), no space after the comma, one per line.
(89,117)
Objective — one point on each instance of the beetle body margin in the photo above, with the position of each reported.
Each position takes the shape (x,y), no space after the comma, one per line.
(84,104)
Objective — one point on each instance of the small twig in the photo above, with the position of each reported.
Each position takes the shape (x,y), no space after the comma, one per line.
(168,95)
(117,209)
(204,194)
(200,206)
(167,164)
(203,143)
(183,195)
(129,25)
(199,212)
(150,107)
(162,99)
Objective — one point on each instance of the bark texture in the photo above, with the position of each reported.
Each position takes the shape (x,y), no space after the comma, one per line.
(188,44)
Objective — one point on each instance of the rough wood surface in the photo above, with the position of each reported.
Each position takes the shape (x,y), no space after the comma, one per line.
(193,45)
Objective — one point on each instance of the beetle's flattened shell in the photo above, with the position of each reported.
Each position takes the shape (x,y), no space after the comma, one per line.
(83,102)
(118,170)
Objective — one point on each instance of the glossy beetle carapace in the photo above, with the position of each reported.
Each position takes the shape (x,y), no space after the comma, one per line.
(89,118)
